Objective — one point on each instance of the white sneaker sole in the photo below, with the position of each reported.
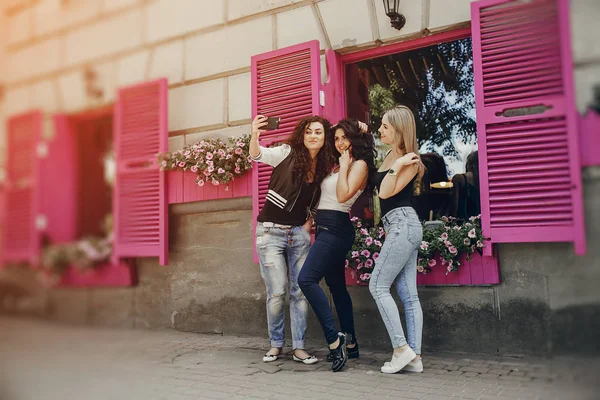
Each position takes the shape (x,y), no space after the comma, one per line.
(398,363)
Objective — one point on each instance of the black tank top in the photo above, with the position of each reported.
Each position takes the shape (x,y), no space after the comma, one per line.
(400,199)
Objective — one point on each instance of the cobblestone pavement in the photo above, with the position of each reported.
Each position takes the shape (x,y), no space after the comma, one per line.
(41,360)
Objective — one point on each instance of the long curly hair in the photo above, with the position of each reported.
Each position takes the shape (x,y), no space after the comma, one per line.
(301,156)
(363,146)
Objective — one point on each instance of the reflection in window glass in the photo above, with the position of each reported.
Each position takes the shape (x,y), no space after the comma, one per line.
(436,82)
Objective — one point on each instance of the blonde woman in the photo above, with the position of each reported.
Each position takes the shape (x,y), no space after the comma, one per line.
(395,181)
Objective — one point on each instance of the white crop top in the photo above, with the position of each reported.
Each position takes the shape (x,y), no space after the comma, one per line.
(329,198)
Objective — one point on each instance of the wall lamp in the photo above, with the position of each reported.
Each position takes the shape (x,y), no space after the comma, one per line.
(391,10)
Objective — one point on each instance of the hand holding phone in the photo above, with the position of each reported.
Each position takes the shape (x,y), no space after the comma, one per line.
(272,123)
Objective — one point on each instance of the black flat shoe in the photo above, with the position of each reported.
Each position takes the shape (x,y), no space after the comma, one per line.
(352,351)
(339,355)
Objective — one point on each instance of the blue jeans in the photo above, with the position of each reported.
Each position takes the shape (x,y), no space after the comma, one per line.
(281,253)
(397,263)
(326,259)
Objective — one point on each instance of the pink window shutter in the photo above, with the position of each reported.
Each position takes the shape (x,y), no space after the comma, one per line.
(286,83)
(22,238)
(140,209)
(530,170)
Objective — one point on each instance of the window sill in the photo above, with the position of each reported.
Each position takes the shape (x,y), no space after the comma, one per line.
(478,271)
(106,275)
(182,188)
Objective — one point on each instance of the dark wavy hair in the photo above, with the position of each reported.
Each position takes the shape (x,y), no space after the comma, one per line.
(301,156)
(363,146)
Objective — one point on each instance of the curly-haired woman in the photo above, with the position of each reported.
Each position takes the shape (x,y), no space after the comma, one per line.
(284,223)
(335,236)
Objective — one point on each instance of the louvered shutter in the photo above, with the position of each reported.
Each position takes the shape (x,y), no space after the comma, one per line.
(286,83)
(22,239)
(526,122)
(140,208)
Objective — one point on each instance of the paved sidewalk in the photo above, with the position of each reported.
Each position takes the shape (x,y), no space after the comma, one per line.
(41,361)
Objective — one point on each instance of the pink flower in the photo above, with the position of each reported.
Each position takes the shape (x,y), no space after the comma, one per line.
(181,164)
(221,171)
(473,248)
(453,250)
(194,168)
(249,159)
(449,268)
(206,172)
(347,263)
(365,277)
(381,232)
(432,263)
(228,157)
(424,245)
(369,241)
(238,170)
(445,219)
(353,219)
(358,224)
(369,263)
(210,168)
(355,254)
(187,153)
(466,242)
(444,236)
(200,182)
(378,243)
(364,231)
(163,164)
(472,234)
(365,253)
(375,256)
(215,182)
(238,151)
(209,156)
(420,269)
(443,262)
(359,266)
(479,244)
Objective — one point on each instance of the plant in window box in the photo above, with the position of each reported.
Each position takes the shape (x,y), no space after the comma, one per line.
(213,160)
(365,250)
(84,254)
(448,242)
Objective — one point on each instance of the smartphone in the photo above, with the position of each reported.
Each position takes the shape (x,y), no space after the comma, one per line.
(272,123)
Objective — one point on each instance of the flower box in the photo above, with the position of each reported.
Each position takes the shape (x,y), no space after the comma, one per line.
(182,188)
(480,270)
(105,275)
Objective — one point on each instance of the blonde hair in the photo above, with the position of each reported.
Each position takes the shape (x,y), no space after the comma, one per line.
(402,119)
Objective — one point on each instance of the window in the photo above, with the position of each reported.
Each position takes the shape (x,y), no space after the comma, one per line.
(436,82)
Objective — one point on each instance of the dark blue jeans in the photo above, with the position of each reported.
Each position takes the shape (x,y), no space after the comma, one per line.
(327,259)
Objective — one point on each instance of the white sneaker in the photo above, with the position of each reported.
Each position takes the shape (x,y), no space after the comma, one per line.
(414,366)
(398,361)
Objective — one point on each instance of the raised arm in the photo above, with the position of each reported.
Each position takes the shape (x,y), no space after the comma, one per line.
(259,122)
(402,172)
(350,179)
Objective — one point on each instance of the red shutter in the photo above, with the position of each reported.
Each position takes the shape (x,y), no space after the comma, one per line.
(58,183)
(286,83)
(527,123)
(22,240)
(140,208)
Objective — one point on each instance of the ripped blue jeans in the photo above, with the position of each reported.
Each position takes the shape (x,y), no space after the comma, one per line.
(281,253)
